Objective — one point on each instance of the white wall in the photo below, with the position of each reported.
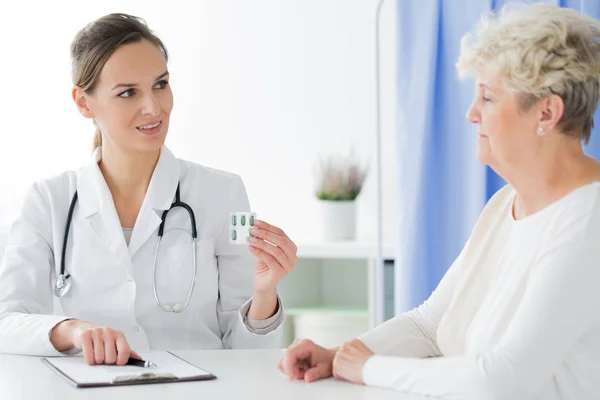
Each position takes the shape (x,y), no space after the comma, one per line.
(261,87)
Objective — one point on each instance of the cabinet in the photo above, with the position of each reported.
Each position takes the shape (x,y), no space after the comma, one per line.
(331,295)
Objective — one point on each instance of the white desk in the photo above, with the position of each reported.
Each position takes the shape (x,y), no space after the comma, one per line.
(241,374)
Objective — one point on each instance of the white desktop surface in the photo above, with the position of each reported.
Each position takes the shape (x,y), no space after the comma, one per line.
(241,374)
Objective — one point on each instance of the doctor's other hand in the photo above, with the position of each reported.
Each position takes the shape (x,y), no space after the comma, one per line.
(99,345)
(306,360)
(274,254)
(349,361)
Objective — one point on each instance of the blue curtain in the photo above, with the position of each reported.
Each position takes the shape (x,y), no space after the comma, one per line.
(442,187)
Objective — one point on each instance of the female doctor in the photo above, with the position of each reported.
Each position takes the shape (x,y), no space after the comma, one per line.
(82,270)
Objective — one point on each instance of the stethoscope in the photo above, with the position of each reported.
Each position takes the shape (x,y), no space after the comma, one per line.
(64,283)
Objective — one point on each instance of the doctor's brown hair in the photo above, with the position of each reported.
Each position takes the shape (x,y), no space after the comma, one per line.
(93,45)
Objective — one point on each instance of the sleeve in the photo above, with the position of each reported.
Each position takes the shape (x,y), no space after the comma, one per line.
(263,327)
(413,334)
(26,299)
(559,306)
(236,286)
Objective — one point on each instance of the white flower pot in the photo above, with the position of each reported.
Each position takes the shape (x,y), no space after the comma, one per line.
(338,220)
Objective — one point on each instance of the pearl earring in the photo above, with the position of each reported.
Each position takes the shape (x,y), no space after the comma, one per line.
(540,130)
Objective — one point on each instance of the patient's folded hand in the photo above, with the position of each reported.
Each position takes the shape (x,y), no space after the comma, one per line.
(306,360)
(350,360)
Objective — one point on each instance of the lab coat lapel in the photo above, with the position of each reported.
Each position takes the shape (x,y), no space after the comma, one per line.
(159,197)
(98,209)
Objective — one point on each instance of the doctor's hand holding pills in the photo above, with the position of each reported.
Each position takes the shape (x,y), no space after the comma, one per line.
(274,255)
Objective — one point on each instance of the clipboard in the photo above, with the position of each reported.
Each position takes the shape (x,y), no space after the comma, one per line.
(171,369)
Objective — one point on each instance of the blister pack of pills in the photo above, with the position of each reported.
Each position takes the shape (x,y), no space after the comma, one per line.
(239,227)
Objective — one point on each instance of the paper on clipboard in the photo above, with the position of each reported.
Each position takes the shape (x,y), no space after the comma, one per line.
(170,368)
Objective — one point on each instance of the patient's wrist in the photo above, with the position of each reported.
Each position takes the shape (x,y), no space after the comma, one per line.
(333,351)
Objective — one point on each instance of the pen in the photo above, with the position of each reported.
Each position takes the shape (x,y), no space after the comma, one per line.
(140,363)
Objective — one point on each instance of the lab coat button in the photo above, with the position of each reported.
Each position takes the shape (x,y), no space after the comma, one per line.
(136,328)
(129,278)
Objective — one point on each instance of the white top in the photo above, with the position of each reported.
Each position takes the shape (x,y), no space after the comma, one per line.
(127,235)
(517,316)
(112,283)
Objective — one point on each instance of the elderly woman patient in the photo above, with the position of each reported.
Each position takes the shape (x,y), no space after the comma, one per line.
(517,315)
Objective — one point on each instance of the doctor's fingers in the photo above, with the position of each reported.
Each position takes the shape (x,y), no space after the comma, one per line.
(281,268)
(87,347)
(268,240)
(277,237)
(110,346)
(267,252)
(259,223)
(123,349)
(98,339)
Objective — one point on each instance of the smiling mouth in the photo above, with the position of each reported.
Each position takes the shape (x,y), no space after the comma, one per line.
(149,126)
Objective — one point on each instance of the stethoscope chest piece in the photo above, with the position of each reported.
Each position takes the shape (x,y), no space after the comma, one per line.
(62,286)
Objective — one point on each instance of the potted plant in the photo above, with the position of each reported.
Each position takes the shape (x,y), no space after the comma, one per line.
(340,180)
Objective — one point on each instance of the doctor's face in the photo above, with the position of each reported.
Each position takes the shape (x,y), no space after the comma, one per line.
(132,100)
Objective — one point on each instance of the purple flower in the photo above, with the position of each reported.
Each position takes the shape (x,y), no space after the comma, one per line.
(339,178)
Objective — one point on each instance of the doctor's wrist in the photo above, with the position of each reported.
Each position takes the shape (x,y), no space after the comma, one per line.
(61,335)
(264,305)
(265,293)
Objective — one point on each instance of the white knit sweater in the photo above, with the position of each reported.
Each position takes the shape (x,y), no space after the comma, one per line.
(517,316)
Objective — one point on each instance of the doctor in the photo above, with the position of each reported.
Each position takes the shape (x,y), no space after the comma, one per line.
(82,270)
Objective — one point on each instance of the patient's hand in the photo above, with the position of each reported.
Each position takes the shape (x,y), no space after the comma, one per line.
(350,360)
(306,360)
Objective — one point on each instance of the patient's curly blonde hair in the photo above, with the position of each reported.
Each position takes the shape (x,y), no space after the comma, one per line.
(539,50)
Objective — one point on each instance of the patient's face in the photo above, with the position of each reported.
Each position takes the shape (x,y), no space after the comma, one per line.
(506,136)
(133,95)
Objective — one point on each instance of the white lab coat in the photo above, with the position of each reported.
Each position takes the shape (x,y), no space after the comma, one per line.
(112,282)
